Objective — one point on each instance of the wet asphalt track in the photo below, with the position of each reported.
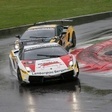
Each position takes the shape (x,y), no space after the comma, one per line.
(91,93)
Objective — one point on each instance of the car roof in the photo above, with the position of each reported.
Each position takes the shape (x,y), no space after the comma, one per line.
(41,45)
(42,26)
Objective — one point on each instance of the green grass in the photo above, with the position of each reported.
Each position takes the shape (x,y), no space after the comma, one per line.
(20,12)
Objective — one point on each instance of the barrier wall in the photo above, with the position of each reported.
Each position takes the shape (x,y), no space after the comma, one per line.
(76,21)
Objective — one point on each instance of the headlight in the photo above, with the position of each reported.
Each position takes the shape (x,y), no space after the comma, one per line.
(29,70)
(16,46)
(71,63)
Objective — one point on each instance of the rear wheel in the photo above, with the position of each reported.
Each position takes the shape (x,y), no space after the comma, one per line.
(78,70)
(73,39)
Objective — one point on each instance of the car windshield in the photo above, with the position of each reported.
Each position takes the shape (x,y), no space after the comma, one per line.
(39,33)
(44,53)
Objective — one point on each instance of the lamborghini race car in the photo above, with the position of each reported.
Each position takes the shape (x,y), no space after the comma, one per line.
(63,35)
(43,62)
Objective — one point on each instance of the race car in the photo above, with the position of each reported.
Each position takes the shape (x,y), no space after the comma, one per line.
(63,35)
(43,62)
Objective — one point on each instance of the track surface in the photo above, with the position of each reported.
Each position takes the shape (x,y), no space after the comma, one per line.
(97,57)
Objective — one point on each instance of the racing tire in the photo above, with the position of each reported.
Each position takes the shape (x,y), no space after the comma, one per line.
(78,70)
(73,39)
(19,77)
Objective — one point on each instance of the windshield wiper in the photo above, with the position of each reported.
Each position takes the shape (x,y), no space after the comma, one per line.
(48,55)
(37,37)
(43,39)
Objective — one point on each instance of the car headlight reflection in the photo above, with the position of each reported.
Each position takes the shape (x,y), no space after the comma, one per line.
(29,70)
(71,63)
(16,46)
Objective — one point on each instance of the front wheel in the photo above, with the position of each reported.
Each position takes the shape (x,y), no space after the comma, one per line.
(78,70)
(19,76)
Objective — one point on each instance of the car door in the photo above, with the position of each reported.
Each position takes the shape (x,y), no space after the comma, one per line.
(69,39)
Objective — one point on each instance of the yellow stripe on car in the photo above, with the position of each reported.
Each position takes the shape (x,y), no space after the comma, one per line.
(13,56)
(76,67)
(70,67)
(23,74)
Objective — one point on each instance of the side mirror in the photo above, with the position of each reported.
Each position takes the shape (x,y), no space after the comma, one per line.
(18,36)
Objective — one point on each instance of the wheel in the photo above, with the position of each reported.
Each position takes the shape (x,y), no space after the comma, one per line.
(19,76)
(78,70)
(73,39)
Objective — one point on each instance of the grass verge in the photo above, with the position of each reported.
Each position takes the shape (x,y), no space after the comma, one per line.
(20,12)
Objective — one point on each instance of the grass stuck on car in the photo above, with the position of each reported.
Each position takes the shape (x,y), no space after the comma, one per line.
(43,62)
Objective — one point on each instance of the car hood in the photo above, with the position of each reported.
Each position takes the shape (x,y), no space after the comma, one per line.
(51,66)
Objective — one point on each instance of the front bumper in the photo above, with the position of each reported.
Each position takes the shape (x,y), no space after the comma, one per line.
(40,79)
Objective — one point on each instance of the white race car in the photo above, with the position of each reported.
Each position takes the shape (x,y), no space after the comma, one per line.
(43,62)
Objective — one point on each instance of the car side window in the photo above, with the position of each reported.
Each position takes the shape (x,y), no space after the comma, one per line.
(20,53)
(59,30)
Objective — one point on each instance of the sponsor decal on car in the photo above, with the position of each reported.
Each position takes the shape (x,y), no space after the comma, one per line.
(50,72)
(49,63)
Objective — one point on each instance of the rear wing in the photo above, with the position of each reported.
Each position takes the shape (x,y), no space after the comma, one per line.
(62,22)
